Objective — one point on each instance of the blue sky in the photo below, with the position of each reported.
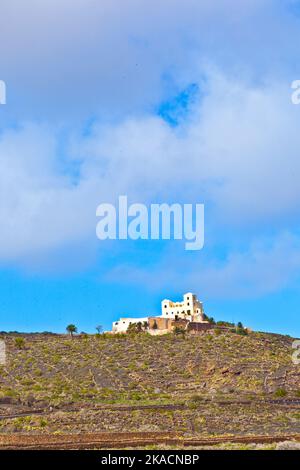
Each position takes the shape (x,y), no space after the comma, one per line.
(174,101)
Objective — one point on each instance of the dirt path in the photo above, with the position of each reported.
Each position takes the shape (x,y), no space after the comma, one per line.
(293,403)
(123,440)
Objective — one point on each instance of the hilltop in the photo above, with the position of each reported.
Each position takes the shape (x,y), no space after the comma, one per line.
(213,383)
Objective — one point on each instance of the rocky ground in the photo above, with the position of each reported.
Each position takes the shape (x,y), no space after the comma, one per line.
(207,385)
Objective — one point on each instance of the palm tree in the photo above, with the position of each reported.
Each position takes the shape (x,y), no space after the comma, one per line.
(99,329)
(71,329)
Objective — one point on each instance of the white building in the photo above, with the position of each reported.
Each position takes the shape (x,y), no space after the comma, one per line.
(190,308)
(121,325)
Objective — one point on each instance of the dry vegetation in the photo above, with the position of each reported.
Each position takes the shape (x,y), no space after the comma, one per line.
(206,385)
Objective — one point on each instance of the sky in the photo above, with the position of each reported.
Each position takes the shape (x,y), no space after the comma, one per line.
(181,101)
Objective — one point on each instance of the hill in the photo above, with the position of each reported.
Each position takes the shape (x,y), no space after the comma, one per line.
(209,384)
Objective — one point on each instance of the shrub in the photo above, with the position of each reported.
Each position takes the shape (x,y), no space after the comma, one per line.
(225,323)
(192,405)
(138,327)
(196,398)
(19,342)
(114,336)
(209,319)
(280,392)
(241,331)
(179,331)
(9,392)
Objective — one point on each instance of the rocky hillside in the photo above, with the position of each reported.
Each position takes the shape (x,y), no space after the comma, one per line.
(191,383)
(112,369)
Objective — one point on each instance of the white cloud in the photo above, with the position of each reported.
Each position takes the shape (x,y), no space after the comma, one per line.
(72,58)
(39,207)
(266,266)
(237,152)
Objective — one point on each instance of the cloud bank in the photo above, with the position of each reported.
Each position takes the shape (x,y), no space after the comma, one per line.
(83,124)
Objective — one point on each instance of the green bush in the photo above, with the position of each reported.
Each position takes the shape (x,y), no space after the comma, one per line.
(241,331)
(19,342)
(139,327)
(225,323)
(280,392)
(197,398)
(178,330)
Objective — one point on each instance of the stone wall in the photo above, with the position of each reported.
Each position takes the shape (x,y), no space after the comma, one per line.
(159,323)
(194,327)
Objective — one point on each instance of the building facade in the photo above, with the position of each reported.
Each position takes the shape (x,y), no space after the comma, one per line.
(190,309)
(121,325)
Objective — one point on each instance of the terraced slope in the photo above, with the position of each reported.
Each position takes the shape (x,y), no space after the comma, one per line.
(198,385)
